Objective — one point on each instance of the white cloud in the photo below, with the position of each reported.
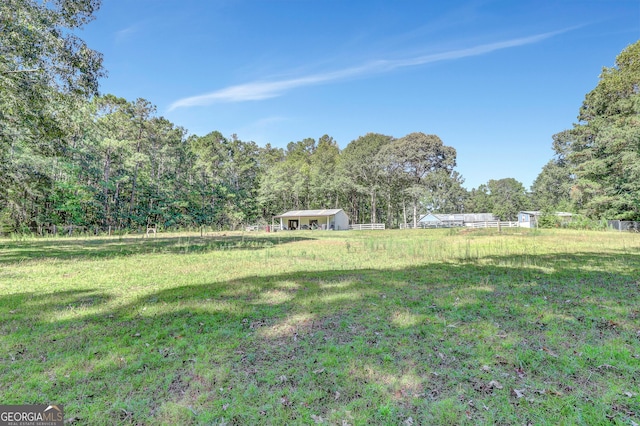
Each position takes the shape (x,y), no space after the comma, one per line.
(125,33)
(260,90)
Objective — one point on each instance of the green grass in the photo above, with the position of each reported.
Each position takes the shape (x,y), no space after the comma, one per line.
(383,327)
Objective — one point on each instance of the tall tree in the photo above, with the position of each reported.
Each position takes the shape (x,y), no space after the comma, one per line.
(41,62)
(602,150)
(420,155)
(271,191)
(551,191)
(508,197)
(141,112)
(323,184)
(44,69)
(112,145)
(479,200)
(445,193)
(361,167)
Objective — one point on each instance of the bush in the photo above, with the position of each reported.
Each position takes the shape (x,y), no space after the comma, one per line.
(6,223)
(549,220)
(583,222)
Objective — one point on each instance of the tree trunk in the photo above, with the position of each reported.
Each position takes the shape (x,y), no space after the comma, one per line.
(133,190)
(389,209)
(373,206)
(404,212)
(135,174)
(415,213)
(107,167)
(115,201)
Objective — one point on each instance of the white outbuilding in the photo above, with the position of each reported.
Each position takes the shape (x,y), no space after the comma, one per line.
(328,219)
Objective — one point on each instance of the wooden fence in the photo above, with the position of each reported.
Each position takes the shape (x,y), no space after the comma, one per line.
(366,226)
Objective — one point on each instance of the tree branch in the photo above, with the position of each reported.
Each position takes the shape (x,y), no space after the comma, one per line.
(19,71)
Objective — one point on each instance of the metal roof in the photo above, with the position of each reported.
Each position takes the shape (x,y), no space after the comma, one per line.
(310,213)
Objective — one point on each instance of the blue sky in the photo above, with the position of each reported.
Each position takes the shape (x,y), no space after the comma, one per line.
(495,79)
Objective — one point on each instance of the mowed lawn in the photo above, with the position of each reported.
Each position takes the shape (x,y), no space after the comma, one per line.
(421,327)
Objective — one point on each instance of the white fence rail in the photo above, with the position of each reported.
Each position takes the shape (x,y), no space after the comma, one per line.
(263,228)
(492,224)
(366,226)
(409,225)
(476,225)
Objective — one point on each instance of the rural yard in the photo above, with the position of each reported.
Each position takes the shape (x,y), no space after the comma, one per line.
(406,327)
(319,213)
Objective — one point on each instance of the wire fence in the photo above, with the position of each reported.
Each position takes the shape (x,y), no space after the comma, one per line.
(624,225)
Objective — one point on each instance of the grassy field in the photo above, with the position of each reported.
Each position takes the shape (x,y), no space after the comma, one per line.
(421,327)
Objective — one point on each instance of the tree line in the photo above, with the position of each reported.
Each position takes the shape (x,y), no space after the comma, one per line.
(72,157)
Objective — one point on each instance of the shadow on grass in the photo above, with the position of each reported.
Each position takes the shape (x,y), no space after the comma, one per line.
(383,345)
(49,303)
(109,247)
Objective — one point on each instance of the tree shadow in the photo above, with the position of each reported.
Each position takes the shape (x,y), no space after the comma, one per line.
(341,341)
(12,252)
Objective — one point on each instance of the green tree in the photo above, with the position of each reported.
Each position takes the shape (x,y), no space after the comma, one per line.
(420,155)
(45,72)
(445,193)
(169,163)
(324,187)
(140,112)
(508,197)
(551,191)
(479,200)
(361,169)
(287,181)
(41,63)
(271,191)
(112,149)
(228,179)
(602,150)
(298,171)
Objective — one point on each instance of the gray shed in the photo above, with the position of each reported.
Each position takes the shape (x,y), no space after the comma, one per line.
(529,219)
(314,219)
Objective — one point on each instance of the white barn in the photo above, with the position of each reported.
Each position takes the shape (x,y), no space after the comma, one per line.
(314,219)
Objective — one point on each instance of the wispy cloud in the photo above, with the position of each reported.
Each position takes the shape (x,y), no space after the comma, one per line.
(125,33)
(260,90)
